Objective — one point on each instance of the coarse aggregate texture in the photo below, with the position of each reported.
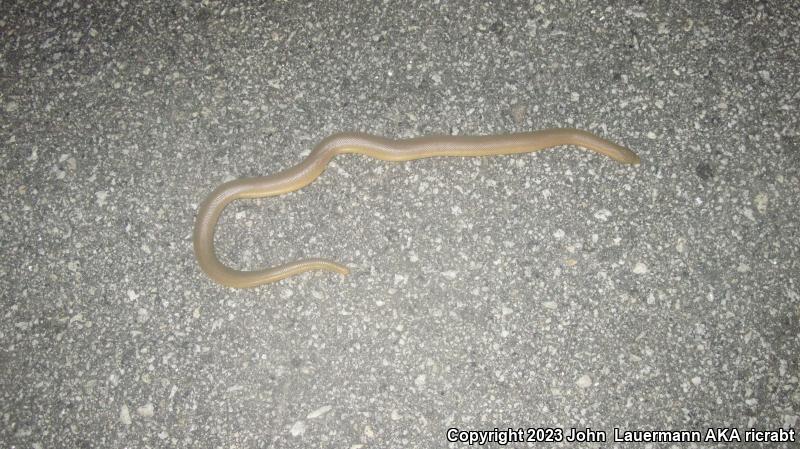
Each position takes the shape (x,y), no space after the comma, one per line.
(553,289)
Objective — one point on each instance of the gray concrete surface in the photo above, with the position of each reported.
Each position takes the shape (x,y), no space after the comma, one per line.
(553,289)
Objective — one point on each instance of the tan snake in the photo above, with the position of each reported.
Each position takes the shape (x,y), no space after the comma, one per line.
(309,169)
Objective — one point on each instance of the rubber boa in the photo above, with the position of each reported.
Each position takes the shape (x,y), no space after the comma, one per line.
(312,166)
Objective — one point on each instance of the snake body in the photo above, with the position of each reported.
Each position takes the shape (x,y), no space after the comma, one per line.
(309,169)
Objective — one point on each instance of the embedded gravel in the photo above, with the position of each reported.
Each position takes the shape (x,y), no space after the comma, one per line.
(556,289)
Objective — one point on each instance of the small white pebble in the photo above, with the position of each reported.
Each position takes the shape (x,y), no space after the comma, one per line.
(789,421)
(319,412)
(680,245)
(602,214)
(101,197)
(146,411)
(696,380)
(559,234)
(420,380)
(584,381)
(743,268)
(550,305)
(450,274)
(761,202)
(652,135)
(125,415)
(640,268)
(298,429)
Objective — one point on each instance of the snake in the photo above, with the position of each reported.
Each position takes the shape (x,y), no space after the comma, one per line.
(377,147)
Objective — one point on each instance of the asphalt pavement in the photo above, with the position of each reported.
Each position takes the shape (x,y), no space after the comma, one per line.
(553,290)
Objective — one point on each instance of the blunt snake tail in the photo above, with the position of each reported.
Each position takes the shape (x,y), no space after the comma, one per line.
(309,169)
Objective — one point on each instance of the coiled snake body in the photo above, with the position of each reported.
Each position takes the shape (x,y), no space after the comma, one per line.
(309,169)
